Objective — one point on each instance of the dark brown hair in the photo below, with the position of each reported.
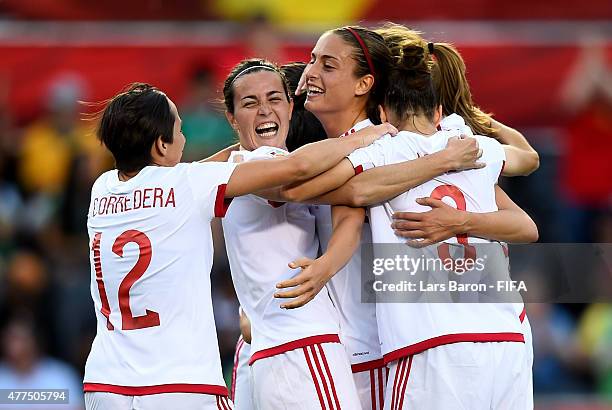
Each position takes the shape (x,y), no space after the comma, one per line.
(380,57)
(448,74)
(411,91)
(132,121)
(248,66)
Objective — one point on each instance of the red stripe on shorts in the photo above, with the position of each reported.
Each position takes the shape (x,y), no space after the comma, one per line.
(235,369)
(381,388)
(329,375)
(401,403)
(372,389)
(320,370)
(314,377)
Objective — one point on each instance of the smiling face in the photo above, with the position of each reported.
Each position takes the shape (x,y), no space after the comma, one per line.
(330,76)
(261,110)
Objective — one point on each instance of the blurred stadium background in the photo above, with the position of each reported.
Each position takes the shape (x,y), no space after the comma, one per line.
(544,67)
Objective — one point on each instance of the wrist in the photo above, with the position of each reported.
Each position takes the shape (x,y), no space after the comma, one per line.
(326,264)
(465,223)
(444,161)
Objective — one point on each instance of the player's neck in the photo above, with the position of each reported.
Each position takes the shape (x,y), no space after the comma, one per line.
(418,124)
(337,123)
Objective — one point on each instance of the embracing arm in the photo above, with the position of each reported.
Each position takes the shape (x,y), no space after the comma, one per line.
(509,224)
(302,164)
(521,158)
(382,183)
(223,155)
(346,236)
(303,191)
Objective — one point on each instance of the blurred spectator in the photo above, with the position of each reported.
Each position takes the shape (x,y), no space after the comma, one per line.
(595,340)
(556,367)
(50,145)
(11,201)
(263,39)
(586,169)
(28,291)
(24,367)
(204,125)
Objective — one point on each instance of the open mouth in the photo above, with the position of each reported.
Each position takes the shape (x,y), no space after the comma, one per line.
(313,90)
(267,129)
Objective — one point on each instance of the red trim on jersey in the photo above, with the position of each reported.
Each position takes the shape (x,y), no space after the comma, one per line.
(314,377)
(296,344)
(454,338)
(157,389)
(372,364)
(358,169)
(221,202)
(523,314)
(239,345)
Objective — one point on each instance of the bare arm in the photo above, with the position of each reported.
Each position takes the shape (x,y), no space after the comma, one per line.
(509,224)
(382,183)
(521,158)
(347,223)
(302,164)
(223,155)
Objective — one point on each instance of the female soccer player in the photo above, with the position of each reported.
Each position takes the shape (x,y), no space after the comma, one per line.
(450,81)
(151,254)
(347,97)
(345,65)
(296,357)
(431,352)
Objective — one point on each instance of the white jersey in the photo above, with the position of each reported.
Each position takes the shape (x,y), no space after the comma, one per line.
(151,256)
(262,238)
(409,328)
(358,329)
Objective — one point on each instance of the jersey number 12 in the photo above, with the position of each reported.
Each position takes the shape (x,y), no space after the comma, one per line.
(128,321)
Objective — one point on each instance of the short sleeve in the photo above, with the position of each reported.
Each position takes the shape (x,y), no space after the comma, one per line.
(385,151)
(368,157)
(493,155)
(208,182)
(455,122)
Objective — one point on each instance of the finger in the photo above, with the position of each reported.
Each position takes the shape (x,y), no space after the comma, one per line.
(299,302)
(406,225)
(300,263)
(413,216)
(479,165)
(390,129)
(298,280)
(431,202)
(479,153)
(293,293)
(413,234)
(419,243)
